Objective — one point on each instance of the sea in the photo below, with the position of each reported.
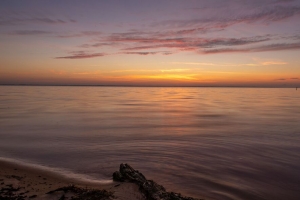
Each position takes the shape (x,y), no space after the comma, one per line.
(212,143)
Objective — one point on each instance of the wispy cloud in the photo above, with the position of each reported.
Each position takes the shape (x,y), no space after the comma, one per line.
(270,14)
(174,70)
(280,79)
(141,53)
(44,20)
(265,14)
(30,32)
(186,43)
(81,55)
(274,63)
(193,63)
(173,76)
(80,34)
(149,53)
(134,43)
(285,1)
(286,79)
(204,45)
(265,63)
(262,48)
(173,36)
(87,73)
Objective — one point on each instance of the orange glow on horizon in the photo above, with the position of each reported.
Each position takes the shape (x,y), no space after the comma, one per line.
(151,77)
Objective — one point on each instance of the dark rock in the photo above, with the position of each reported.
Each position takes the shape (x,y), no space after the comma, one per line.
(149,188)
(62,197)
(117,176)
(152,190)
(128,174)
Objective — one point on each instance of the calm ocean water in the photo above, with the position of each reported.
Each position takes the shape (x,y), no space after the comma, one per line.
(216,143)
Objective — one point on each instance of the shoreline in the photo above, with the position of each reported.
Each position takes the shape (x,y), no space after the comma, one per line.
(27,182)
(24,181)
(54,172)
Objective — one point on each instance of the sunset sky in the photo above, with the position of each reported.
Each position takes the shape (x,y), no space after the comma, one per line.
(150,42)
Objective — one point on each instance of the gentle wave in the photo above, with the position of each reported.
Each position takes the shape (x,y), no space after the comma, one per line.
(59,172)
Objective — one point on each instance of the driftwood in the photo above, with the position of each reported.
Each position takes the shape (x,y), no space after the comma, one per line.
(149,188)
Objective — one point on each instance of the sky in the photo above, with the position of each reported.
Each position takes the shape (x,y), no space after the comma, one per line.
(150,42)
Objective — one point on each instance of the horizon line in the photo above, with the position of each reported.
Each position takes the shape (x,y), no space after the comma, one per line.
(107,85)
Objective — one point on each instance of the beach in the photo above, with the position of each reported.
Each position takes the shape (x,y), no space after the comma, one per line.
(20,182)
(24,182)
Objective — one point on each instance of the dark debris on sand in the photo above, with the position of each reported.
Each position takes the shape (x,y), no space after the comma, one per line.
(149,188)
(9,192)
(69,193)
(83,193)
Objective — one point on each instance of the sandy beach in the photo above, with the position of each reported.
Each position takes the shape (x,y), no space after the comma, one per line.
(23,182)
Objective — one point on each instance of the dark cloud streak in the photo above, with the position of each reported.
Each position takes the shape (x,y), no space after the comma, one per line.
(81,55)
(135,43)
(81,34)
(266,14)
(280,79)
(149,53)
(4,21)
(30,32)
(186,43)
(141,53)
(271,47)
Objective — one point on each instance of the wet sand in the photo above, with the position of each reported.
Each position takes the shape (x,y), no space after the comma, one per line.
(25,182)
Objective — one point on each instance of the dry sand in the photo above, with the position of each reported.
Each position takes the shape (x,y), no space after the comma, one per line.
(34,183)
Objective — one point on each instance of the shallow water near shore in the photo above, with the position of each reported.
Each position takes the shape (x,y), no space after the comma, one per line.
(212,143)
